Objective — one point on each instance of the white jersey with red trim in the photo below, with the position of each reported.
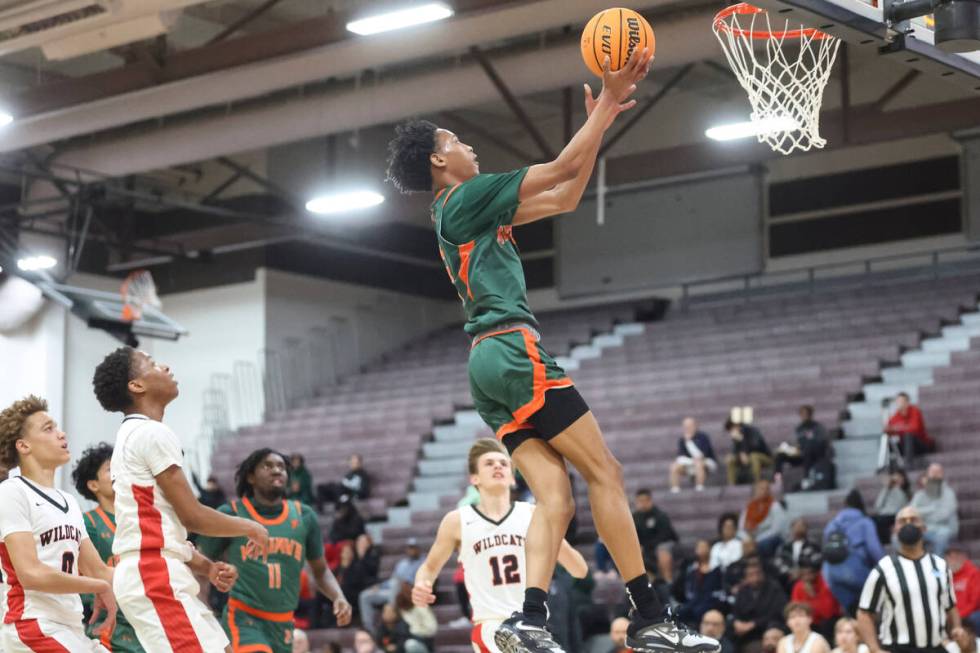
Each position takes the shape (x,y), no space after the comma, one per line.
(54,519)
(492,554)
(145,520)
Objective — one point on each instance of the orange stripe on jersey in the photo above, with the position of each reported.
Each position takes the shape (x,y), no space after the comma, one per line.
(465,251)
(105,520)
(88,516)
(106,640)
(31,635)
(278,617)
(275,521)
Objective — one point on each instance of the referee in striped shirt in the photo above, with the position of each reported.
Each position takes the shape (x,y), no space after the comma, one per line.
(910,594)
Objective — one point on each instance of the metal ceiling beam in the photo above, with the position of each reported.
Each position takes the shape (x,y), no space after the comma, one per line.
(273,188)
(243,21)
(222,187)
(895,89)
(511,101)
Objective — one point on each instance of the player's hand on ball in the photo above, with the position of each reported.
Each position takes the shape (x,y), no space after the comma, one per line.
(342,611)
(422,595)
(618,86)
(105,602)
(223,576)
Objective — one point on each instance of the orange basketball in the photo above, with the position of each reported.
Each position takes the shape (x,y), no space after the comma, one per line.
(615,33)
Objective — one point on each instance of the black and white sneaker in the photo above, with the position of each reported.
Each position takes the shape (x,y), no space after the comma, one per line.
(518,636)
(666,635)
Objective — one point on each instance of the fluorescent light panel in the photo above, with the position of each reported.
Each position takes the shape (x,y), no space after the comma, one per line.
(763,127)
(34,263)
(344,202)
(400,19)
(5,118)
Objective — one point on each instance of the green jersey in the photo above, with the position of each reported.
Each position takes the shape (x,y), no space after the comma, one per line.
(476,242)
(294,538)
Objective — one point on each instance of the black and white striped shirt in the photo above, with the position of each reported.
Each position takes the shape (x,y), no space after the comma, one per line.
(911,599)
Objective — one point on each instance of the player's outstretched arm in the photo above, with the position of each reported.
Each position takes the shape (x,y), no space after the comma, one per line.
(36,576)
(200,519)
(447,541)
(617,87)
(327,584)
(572,560)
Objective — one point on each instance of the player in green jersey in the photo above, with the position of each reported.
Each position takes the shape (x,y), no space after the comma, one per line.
(92,480)
(259,614)
(518,389)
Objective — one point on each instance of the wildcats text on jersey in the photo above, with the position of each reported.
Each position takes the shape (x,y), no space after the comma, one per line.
(502,539)
(60,533)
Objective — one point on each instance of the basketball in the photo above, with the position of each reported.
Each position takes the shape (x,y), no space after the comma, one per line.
(615,33)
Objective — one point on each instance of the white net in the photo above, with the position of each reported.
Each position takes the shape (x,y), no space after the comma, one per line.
(138,291)
(784,69)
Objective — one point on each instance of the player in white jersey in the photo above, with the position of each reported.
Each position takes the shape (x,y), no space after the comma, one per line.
(46,558)
(155,507)
(490,539)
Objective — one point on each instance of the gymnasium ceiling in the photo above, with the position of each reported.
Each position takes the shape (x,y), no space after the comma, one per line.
(193,150)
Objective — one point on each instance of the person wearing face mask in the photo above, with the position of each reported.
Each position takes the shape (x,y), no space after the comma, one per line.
(910,594)
(936,502)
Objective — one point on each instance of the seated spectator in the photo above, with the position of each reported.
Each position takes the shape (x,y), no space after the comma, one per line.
(907,429)
(657,535)
(801,638)
(750,453)
(813,591)
(604,565)
(347,524)
(758,606)
(354,484)
(894,496)
(863,551)
(617,633)
(211,494)
(695,457)
(964,641)
(792,552)
(699,586)
(813,451)
(713,625)
(392,632)
(770,640)
(300,481)
(764,518)
(364,642)
(966,583)
(301,643)
(385,592)
(422,623)
(936,502)
(728,548)
(358,569)
(846,637)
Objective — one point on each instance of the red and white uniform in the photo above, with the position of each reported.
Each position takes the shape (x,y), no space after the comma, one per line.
(154,587)
(32,620)
(492,554)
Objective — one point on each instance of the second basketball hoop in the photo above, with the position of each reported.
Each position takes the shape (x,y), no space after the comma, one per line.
(784,68)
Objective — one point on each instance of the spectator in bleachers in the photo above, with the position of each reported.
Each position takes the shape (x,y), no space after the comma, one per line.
(894,496)
(211,493)
(856,540)
(964,641)
(358,568)
(728,548)
(355,483)
(966,583)
(713,625)
(812,590)
(347,524)
(656,533)
(770,640)
(758,606)
(617,633)
(698,587)
(937,504)
(392,632)
(812,451)
(750,453)
(846,637)
(793,552)
(301,643)
(604,565)
(385,592)
(802,638)
(907,426)
(300,481)
(695,457)
(764,518)
(421,620)
(364,642)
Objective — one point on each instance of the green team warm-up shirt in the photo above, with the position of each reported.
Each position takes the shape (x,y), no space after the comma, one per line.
(294,538)
(473,225)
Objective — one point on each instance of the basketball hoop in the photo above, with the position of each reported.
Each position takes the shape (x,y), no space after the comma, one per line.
(785,88)
(138,291)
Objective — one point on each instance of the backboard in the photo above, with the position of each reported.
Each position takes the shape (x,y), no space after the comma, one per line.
(103,310)
(861,23)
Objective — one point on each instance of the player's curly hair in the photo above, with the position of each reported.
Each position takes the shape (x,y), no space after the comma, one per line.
(409,168)
(242,487)
(88,466)
(111,380)
(12,425)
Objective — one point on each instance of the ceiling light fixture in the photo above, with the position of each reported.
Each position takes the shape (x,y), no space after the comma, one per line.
(35,263)
(344,202)
(392,20)
(762,127)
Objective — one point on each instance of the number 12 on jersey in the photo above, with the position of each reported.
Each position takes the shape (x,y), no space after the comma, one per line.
(508,564)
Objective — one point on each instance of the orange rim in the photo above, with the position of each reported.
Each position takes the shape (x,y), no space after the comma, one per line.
(745,9)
